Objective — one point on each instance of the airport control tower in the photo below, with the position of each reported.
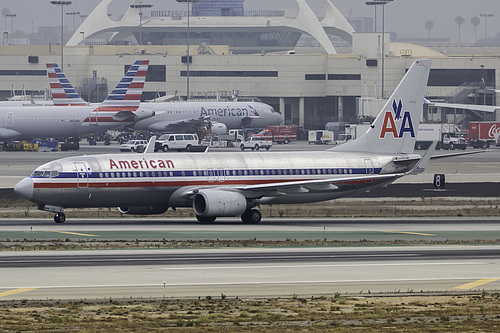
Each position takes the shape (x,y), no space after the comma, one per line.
(218,8)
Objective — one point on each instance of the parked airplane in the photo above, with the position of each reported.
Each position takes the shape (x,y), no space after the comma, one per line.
(120,109)
(233,184)
(179,116)
(191,116)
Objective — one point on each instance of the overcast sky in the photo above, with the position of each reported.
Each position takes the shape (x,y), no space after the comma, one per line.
(402,16)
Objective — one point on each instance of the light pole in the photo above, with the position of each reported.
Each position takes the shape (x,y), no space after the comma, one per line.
(73,13)
(188,42)
(140,6)
(62,4)
(485,15)
(383,3)
(11,15)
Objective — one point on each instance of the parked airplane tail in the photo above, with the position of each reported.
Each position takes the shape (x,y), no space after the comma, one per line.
(396,126)
(63,93)
(128,92)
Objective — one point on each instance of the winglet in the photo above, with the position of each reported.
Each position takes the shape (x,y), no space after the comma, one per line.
(150,148)
(395,128)
(63,93)
(424,161)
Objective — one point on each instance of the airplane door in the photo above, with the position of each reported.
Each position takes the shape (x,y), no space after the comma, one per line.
(93,117)
(261,113)
(82,174)
(9,120)
(370,169)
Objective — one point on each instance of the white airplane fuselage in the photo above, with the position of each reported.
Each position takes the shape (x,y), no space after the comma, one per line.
(175,115)
(163,179)
(53,121)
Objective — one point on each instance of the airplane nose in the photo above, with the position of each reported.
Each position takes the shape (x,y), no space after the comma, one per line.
(24,188)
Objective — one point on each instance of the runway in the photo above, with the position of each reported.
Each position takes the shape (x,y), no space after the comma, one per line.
(280,229)
(248,272)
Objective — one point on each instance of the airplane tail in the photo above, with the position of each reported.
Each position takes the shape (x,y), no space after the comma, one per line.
(396,126)
(124,101)
(63,93)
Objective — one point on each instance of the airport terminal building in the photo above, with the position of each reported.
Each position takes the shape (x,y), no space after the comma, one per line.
(310,86)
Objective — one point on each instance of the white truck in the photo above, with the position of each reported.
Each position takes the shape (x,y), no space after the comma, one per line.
(444,134)
(255,142)
(352,132)
(320,137)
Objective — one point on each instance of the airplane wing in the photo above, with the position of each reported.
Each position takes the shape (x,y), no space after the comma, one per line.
(281,189)
(192,123)
(473,107)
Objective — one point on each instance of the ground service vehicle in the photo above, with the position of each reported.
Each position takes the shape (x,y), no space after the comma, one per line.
(444,134)
(280,134)
(134,145)
(177,142)
(321,137)
(482,133)
(256,142)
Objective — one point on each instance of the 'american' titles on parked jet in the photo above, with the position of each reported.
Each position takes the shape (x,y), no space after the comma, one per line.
(120,109)
(233,184)
(179,116)
(190,116)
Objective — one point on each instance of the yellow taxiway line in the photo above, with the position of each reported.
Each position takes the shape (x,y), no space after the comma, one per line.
(71,233)
(407,233)
(474,284)
(16,291)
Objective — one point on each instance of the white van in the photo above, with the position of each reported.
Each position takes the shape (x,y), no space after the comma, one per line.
(178,142)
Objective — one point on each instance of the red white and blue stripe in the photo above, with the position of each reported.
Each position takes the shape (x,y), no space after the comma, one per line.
(63,93)
(128,93)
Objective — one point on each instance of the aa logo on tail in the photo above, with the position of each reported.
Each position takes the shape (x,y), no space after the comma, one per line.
(397,122)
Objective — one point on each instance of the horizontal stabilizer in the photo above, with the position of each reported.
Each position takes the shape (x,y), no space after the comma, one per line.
(123,115)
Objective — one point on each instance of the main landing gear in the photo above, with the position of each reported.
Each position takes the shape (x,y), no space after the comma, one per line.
(59,218)
(251,216)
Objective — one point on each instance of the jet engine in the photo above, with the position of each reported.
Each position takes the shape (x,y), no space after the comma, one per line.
(219,203)
(218,129)
(142,210)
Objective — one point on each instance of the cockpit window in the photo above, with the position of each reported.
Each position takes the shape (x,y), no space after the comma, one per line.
(37,173)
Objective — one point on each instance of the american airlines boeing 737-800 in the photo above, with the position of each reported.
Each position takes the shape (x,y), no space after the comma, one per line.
(120,109)
(232,183)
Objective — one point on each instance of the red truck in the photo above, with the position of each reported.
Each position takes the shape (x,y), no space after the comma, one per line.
(280,134)
(482,133)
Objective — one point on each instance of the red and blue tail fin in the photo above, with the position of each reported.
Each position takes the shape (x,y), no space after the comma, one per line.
(128,92)
(63,93)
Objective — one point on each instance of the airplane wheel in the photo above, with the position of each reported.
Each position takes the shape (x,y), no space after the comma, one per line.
(205,219)
(252,216)
(59,218)
(165,148)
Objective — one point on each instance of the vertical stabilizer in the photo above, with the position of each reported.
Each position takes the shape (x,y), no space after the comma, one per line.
(396,126)
(128,92)
(63,93)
